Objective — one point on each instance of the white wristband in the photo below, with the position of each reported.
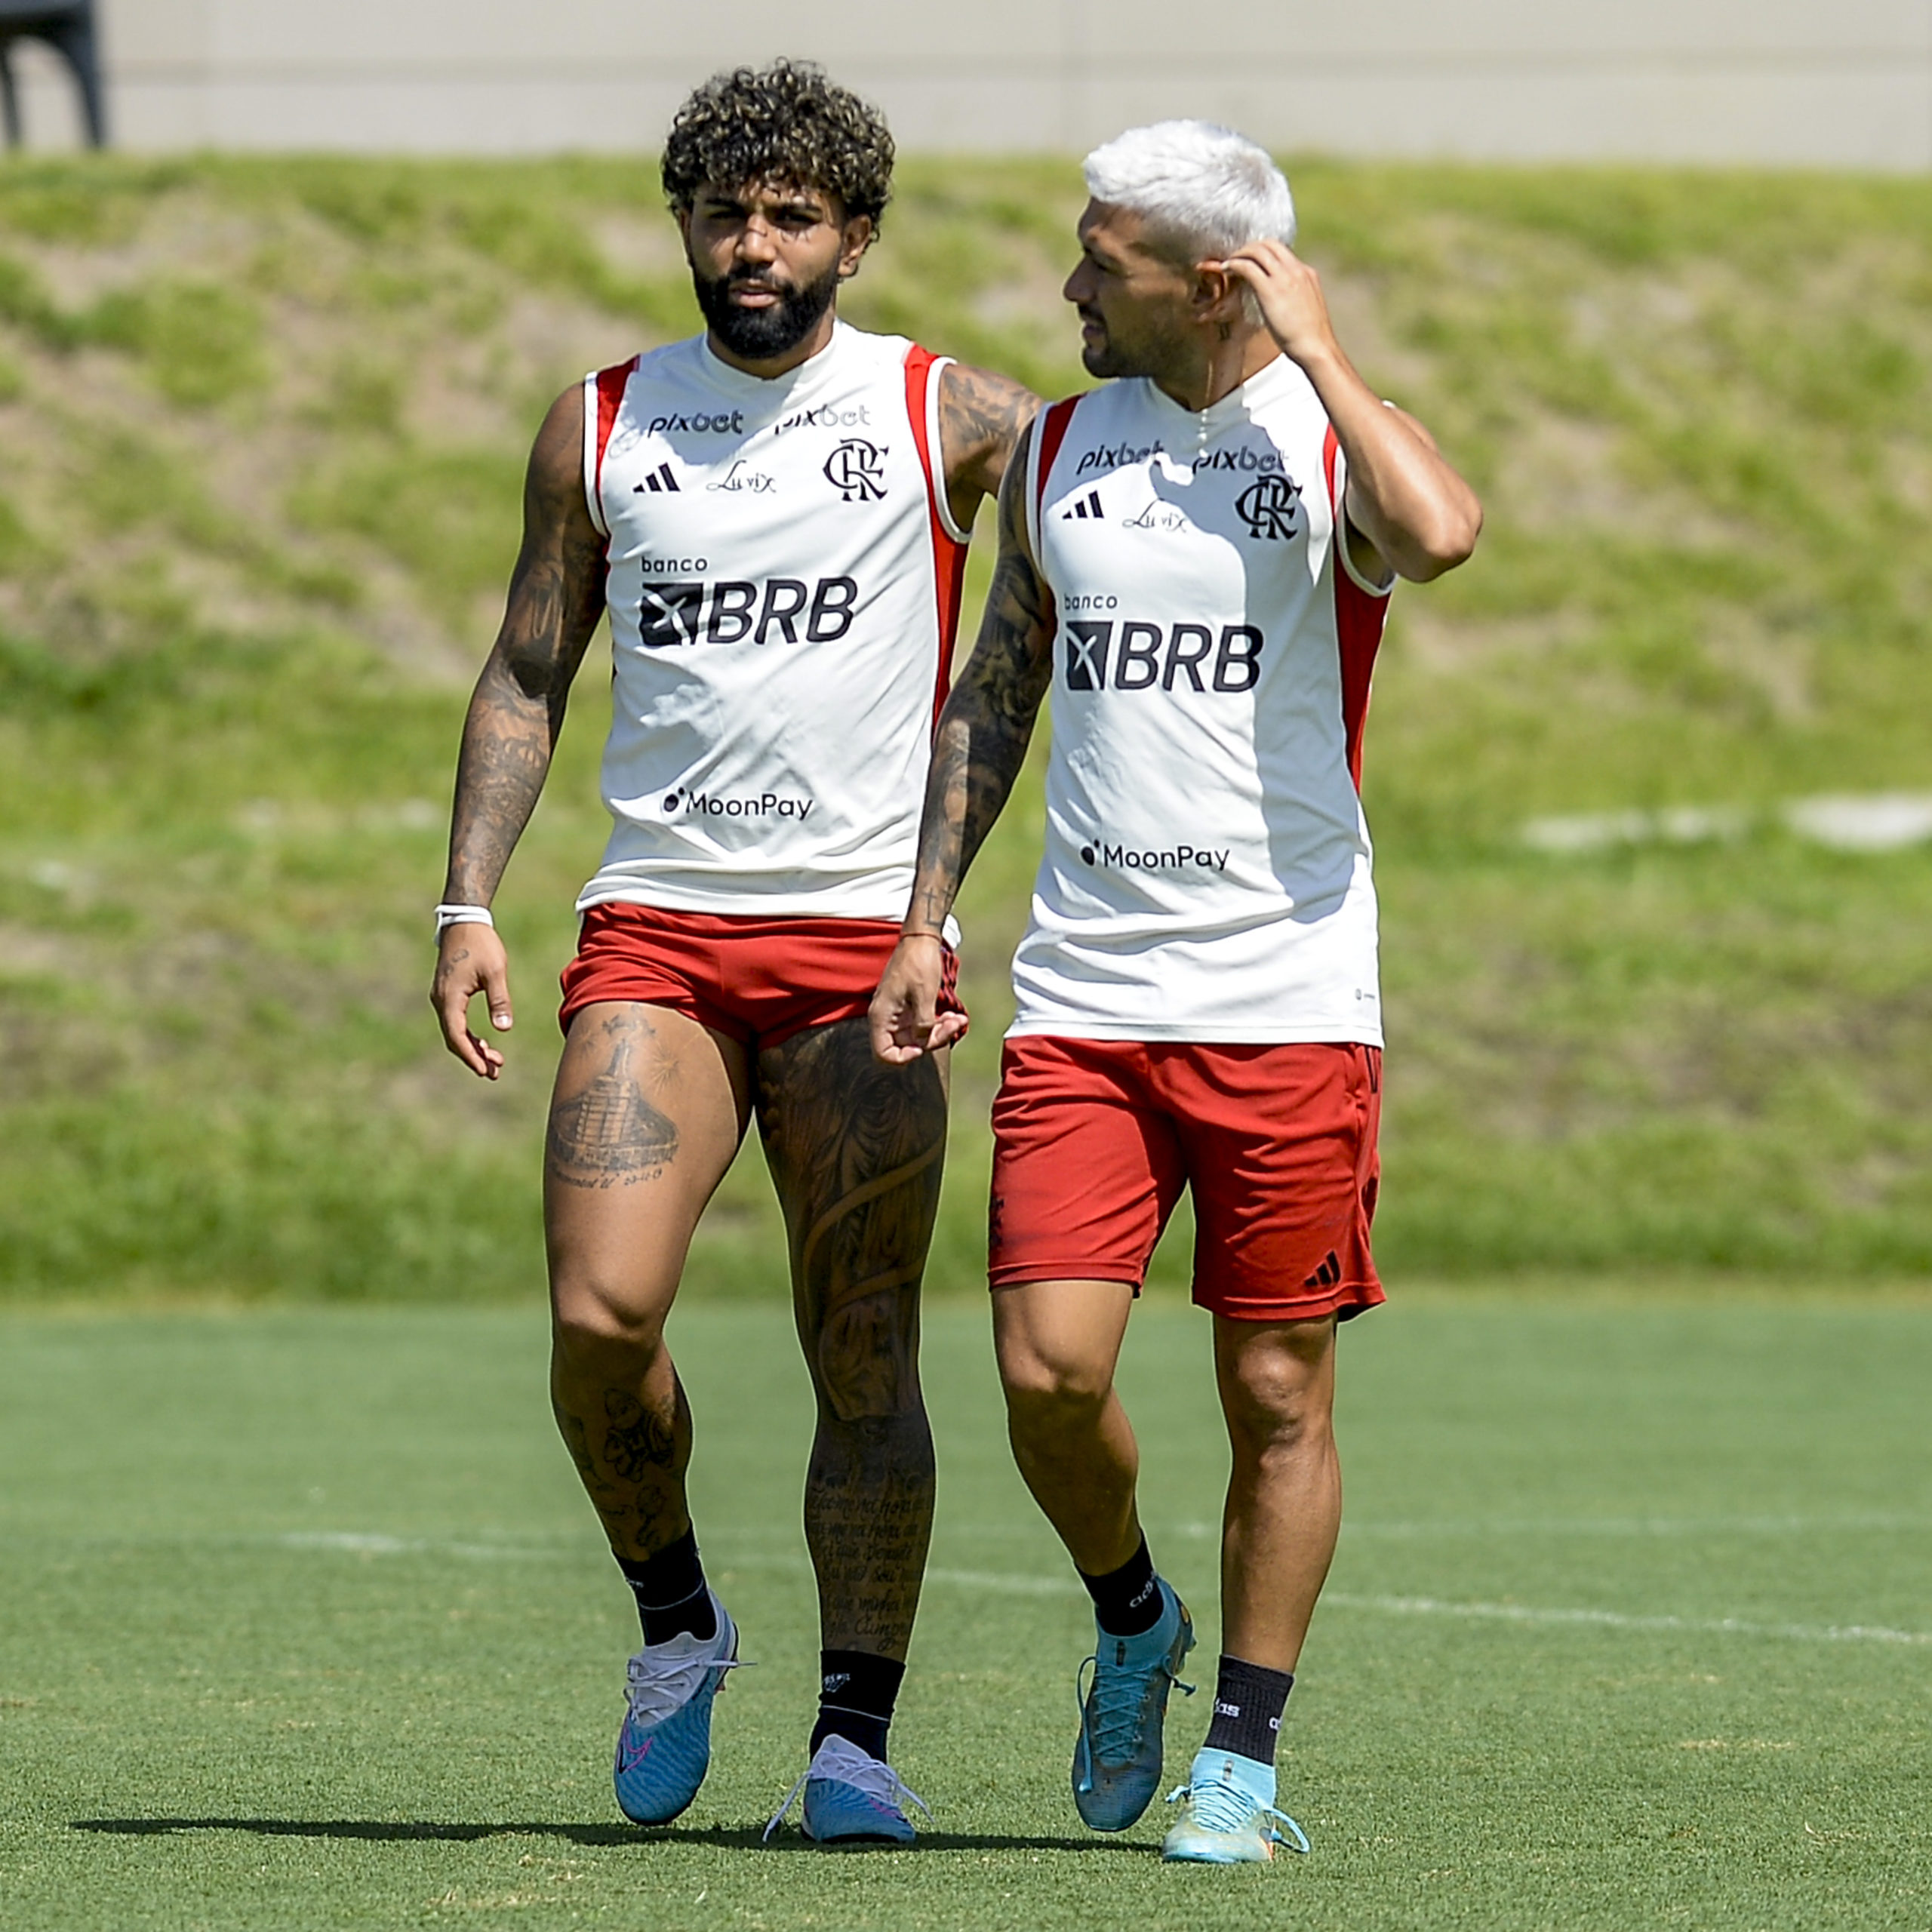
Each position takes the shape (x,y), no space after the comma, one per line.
(462,916)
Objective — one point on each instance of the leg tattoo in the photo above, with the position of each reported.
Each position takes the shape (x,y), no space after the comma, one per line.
(607,1133)
(856,1151)
(633,1459)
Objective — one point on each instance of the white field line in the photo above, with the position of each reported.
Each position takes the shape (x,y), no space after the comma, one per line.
(1615,1619)
(358,1542)
(1011,1583)
(1850,1524)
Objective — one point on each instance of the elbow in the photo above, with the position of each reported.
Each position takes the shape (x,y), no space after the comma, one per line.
(1449,539)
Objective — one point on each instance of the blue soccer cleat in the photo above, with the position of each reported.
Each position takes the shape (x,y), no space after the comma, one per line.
(1228,1814)
(1116,1757)
(851,1797)
(664,1748)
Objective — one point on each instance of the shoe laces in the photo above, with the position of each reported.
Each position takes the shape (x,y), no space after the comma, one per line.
(1221,1805)
(1118,1697)
(656,1685)
(872,1777)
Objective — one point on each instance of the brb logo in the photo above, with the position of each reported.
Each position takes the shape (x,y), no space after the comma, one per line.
(1270,507)
(739,613)
(856,469)
(1145,655)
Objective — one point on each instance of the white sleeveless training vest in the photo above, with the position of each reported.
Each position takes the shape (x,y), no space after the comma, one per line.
(1206,874)
(784,576)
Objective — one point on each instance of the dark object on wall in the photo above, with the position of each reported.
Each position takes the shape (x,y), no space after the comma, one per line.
(66,26)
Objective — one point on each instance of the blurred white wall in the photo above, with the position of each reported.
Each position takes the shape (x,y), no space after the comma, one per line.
(1776,81)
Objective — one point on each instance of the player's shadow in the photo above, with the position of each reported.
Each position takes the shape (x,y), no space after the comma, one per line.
(748,1838)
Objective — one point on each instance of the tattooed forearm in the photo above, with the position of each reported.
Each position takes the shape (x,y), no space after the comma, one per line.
(988,721)
(556,596)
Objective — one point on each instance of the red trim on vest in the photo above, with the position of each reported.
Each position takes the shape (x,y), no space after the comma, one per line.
(1055,420)
(949,555)
(1358,621)
(612,384)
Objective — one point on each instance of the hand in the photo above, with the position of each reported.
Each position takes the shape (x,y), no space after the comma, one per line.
(470,959)
(905,1017)
(1290,293)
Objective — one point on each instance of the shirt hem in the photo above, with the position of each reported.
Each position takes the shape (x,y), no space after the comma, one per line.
(891,911)
(1239,1034)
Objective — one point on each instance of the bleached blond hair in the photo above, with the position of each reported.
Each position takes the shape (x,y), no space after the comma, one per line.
(1203,190)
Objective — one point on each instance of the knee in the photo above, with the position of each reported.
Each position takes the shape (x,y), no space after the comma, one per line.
(1277,1411)
(1047,1391)
(865,1359)
(590,1316)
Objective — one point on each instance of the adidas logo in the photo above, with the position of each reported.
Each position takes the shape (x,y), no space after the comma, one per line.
(1327,1274)
(660,479)
(1084,508)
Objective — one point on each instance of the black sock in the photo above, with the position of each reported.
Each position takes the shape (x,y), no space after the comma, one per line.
(1126,1600)
(856,1692)
(672,1600)
(1248,1702)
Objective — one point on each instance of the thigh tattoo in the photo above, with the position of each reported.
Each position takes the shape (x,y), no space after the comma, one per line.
(857,1149)
(608,1135)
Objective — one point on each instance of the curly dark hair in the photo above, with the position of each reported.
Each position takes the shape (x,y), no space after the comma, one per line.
(785,122)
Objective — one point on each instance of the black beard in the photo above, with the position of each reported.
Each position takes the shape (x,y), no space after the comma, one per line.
(757,335)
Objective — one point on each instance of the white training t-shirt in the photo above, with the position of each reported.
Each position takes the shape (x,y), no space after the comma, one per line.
(784,591)
(1206,871)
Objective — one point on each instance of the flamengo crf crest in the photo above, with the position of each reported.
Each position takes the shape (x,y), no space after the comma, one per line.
(856,469)
(1270,507)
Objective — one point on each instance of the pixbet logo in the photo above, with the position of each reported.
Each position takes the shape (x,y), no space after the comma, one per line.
(710,804)
(1159,858)
(828,416)
(1143,655)
(856,469)
(725,422)
(1247,458)
(1101,456)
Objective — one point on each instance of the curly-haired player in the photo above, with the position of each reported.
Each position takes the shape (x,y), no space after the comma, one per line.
(775,515)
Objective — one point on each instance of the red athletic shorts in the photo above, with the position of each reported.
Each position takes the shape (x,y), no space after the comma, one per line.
(759,980)
(1093,1139)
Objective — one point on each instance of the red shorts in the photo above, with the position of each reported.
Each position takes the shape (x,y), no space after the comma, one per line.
(758,980)
(1093,1141)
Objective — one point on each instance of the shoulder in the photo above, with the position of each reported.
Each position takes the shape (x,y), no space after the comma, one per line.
(983,411)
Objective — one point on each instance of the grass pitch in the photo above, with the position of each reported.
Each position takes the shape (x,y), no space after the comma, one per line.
(303,1623)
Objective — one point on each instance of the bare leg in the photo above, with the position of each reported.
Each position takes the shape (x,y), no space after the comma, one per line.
(646,1114)
(1058,1342)
(1285,1495)
(855,1150)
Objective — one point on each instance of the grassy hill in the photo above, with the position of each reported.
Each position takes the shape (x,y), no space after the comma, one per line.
(261,428)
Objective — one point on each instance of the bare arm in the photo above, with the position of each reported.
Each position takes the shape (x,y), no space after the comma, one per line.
(981,744)
(1418,517)
(982,417)
(556,596)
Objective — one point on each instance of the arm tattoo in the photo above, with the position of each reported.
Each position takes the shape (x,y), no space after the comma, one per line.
(987,721)
(556,597)
(982,417)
